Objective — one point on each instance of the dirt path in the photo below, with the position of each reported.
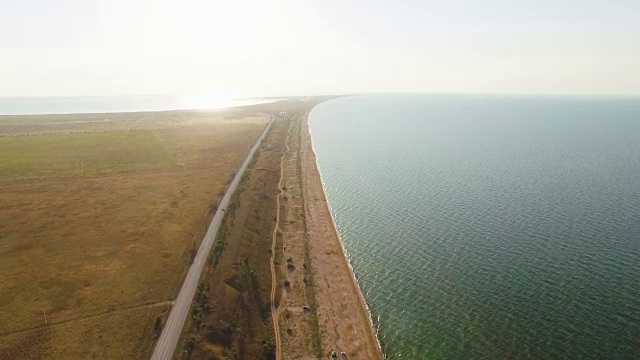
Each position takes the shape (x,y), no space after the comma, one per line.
(321,308)
(275,311)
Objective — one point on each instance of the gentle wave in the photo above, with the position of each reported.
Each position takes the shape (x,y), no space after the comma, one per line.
(488,227)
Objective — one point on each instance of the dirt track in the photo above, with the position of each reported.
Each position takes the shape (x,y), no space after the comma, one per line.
(342,317)
(277,310)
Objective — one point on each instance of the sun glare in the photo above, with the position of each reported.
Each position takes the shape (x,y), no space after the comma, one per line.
(214,100)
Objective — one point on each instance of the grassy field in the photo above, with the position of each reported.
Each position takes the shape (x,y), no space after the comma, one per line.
(231,314)
(232,319)
(98,222)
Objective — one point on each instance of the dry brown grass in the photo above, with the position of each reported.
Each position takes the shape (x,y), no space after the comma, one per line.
(235,316)
(300,330)
(94,226)
(234,319)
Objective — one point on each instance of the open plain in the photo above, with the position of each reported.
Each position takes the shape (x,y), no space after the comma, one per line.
(99,218)
(102,215)
(279,285)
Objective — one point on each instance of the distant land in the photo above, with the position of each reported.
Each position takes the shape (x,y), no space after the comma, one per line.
(111,209)
(118,104)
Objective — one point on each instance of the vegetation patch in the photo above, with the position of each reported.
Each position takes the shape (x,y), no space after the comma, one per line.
(100,224)
(236,322)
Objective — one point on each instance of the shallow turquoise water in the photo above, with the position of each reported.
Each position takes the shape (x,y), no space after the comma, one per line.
(490,227)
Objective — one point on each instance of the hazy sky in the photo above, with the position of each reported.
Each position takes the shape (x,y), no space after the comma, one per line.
(114,47)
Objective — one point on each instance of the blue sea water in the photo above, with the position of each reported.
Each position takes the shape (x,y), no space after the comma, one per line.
(490,227)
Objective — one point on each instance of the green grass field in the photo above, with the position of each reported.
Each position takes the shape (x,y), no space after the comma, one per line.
(97,229)
(65,155)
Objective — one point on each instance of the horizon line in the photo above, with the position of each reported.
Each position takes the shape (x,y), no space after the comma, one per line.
(321,94)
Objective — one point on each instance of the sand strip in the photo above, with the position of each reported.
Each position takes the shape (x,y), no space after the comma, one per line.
(343,315)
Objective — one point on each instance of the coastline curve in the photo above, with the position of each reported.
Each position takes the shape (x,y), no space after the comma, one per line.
(312,157)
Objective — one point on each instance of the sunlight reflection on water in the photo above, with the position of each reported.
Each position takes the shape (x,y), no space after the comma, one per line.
(135,103)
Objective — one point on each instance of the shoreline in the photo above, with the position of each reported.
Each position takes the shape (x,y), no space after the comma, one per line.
(345,253)
(314,187)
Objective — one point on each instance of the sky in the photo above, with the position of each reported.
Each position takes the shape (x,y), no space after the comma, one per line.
(298,47)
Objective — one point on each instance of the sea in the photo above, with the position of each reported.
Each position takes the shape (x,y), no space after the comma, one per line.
(132,103)
(489,227)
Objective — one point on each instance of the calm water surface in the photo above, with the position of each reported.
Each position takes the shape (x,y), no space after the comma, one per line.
(490,227)
(112,104)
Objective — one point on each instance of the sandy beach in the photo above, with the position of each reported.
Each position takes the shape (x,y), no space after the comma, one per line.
(343,316)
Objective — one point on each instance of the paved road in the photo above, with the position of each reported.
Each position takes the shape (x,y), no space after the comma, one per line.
(166,345)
